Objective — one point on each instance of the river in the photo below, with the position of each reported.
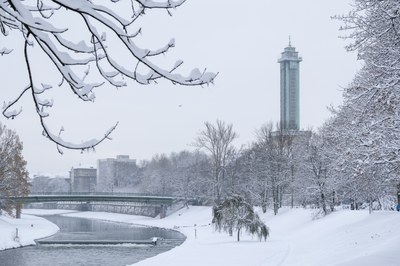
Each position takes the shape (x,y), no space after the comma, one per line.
(92,255)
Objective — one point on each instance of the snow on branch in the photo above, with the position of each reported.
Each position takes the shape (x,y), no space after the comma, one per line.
(84,145)
(4,51)
(165,4)
(19,12)
(87,59)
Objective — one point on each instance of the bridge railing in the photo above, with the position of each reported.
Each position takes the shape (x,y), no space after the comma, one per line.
(96,194)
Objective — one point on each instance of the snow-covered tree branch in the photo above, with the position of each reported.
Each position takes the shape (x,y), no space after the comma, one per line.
(84,40)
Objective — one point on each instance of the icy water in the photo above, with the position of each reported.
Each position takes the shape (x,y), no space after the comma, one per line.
(92,255)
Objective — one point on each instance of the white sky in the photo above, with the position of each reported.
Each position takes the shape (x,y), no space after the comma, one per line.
(241,42)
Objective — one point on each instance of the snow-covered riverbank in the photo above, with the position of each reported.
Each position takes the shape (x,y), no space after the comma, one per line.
(342,238)
(29,228)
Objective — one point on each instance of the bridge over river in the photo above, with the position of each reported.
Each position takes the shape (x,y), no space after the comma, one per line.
(154,204)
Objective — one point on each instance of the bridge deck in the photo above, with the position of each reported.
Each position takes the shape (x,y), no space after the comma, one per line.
(95,198)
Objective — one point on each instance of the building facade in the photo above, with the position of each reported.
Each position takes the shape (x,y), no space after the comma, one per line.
(83,179)
(290,88)
(115,173)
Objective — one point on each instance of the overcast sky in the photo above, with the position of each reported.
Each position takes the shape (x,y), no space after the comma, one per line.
(241,42)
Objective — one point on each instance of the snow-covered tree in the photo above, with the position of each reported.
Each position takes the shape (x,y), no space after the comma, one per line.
(184,174)
(158,176)
(317,168)
(84,41)
(235,214)
(358,173)
(374,95)
(260,169)
(369,119)
(217,140)
(275,147)
(43,183)
(270,167)
(190,175)
(253,182)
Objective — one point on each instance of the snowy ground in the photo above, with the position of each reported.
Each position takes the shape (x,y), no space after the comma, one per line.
(342,238)
(29,228)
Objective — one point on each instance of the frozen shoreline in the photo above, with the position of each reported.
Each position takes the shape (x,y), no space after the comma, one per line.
(29,228)
(342,238)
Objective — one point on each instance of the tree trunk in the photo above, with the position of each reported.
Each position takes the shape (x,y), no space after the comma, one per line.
(292,188)
(238,235)
(323,203)
(398,194)
(217,194)
(18,208)
(264,207)
(280,197)
(333,203)
(353,205)
(264,201)
(276,200)
(370,202)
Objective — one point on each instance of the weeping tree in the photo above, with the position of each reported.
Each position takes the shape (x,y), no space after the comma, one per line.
(84,41)
(234,213)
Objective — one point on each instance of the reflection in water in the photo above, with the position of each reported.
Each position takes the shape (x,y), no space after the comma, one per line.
(79,228)
(86,229)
